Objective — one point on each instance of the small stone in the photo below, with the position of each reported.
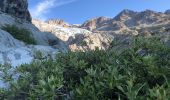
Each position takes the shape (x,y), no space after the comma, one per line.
(141,52)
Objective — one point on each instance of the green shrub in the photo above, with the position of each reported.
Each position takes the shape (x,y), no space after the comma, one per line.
(19,33)
(97,75)
(83,43)
(43,80)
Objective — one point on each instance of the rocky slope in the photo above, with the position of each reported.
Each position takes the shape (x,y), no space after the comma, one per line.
(96,23)
(75,38)
(15,52)
(98,32)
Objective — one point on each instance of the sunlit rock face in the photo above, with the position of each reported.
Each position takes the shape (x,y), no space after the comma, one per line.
(58,22)
(14,52)
(75,38)
(96,23)
(41,38)
(17,8)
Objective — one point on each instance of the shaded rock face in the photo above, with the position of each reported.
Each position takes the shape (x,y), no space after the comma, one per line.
(167,12)
(17,8)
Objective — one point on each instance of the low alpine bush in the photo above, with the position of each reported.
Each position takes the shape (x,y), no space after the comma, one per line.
(19,33)
(138,73)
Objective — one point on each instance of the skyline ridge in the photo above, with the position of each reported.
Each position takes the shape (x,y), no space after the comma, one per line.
(77,11)
(111,17)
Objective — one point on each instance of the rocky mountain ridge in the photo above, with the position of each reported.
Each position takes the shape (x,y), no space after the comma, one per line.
(126,24)
(126,20)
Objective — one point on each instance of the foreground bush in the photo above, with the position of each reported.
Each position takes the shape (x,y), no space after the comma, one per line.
(19,33)
(138,73)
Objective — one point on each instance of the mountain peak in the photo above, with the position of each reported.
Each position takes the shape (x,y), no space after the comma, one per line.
(124,14)
(149,12)
(95,22)
(127,11)
(101,18)
(58,22)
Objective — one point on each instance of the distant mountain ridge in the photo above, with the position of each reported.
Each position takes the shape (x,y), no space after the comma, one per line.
(126,19)
(126,24)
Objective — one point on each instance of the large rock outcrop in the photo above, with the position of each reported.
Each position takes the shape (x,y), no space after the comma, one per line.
(76,38)
(42,38)
(17,8)
(14,52)
(58,22)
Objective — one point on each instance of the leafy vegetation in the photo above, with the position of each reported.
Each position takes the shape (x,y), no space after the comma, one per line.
(83,43)
(19,33)
(138,73)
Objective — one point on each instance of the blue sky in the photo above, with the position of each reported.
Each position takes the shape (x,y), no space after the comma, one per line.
(77,11)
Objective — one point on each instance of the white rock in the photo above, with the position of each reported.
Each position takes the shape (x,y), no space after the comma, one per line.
(42,38)
(64,33)
(15,52)
(18,56)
